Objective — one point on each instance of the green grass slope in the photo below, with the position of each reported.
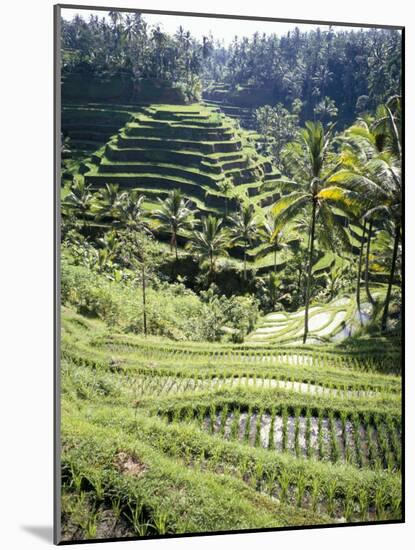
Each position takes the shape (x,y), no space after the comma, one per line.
(193,148)
(162,437)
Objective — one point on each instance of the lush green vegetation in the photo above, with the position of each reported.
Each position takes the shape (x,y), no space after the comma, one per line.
(231,271)
(161,438)
(332,72)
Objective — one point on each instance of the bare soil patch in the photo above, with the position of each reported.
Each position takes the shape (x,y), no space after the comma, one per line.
(130,464)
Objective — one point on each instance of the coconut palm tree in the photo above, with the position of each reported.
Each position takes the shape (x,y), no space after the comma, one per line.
(227,188)
(363,141)
(387,127)
(273,283)
(358,146)
(129,28)
(311,191)
(174,215)
(243,228)
(106,201)
(79,200)
(369,240)
(274,241)
(116,18)
(130,214)
(209,242)
(378,177)
(380,180)
(325,110)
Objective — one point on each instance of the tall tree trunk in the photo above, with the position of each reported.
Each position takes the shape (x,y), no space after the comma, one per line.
(304,268)
(173,245)
(210,267)
(143,275)
(391,276)
(245,263)
(86,223)
(359,273)
(369,238)
(175,248)
(310,265)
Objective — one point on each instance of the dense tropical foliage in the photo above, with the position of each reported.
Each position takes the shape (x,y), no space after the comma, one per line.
(231,278)
(316,75)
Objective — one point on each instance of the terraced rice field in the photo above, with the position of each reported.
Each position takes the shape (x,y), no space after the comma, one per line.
(328,322)
(166,437)
(244,115)
(158,148)
(86,128)
(193,148)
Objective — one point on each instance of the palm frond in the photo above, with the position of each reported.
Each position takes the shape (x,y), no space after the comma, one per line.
(348,200)
(360,183)
(288,207)
(333,232)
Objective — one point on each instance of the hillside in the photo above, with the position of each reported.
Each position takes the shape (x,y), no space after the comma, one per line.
(193,148)
(331,322)
(184,437)
(158,148)
(231,271)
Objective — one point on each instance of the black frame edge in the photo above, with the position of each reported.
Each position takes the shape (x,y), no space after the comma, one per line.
(56,279)
(226,16)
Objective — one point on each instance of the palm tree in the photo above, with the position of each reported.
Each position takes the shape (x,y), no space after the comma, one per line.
(387,126)
(106,201)
(129,28)
(312,190)
(361,144)
(79,200)
(359,270)
(358,146)
(378,178)
(130,216)
(325,110)
(273,286)
(174,215)
(130,211)
(274,241)
(244,228)
(227,188)
(116,18)
(369,240)
(210,242)
(388,123)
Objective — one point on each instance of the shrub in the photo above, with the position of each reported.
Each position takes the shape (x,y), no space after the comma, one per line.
(172,309)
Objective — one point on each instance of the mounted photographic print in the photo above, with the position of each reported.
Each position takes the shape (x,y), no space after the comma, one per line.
(229,274)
